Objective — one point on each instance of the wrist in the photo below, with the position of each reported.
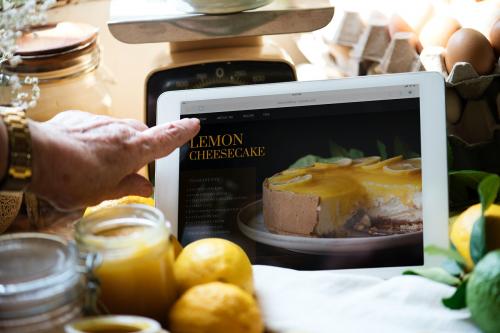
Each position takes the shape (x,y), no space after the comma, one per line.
(40,141)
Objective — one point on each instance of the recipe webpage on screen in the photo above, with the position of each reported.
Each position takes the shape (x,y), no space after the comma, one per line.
(315,186)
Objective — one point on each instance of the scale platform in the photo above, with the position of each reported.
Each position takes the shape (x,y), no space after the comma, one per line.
(157,21)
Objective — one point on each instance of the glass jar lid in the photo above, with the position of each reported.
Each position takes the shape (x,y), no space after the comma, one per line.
(115,324)
(38,273)
(121,230)
(56,38)
(56,51)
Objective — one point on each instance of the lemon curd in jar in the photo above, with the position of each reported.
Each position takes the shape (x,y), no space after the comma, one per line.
(135,268)
(114,324)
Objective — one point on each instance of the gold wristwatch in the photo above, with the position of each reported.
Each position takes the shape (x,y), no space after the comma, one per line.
(19,164)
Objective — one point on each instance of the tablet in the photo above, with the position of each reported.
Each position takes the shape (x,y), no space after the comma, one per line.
(346,174)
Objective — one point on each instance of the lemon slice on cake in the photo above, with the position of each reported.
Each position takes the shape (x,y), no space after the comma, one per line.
(343,162)
(278,184)
(405,167)
(359,162)
(383,163)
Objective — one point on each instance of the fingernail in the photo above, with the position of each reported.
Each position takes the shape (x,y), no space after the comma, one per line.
(195,121)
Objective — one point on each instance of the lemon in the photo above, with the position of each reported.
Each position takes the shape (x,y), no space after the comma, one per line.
(381,164)
(292,172)
(483,293)
(343,162)
(406,167)
(461,230)
(359,162)
(215,307)
(176,245)
(276,184)
(213,259)
(129,199)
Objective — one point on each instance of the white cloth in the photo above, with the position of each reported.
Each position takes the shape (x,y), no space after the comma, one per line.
(328,302)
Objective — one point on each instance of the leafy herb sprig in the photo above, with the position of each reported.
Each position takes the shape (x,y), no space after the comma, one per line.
(454,272)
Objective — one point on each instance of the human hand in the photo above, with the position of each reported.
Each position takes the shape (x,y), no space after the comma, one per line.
(81,159)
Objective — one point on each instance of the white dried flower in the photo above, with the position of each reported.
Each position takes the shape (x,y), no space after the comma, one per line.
(17,16)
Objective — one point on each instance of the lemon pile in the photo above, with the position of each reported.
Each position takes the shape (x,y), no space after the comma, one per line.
(215,281)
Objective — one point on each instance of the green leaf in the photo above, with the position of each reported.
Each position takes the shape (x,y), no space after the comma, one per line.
(469,178)
(382,150)
(356,153)
(478,240)
(488,190)
(305,161)
(402,148)
(437,274)
(439,251)
(463,187)
(452,267)
(329,159)
(457,300)
(337,150)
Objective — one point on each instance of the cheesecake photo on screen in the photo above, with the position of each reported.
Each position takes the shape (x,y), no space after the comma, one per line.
(344,197)
(330,184)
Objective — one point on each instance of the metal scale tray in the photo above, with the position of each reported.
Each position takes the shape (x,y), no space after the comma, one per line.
(156,21)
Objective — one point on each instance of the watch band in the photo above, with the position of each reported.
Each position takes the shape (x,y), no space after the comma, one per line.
(19,168)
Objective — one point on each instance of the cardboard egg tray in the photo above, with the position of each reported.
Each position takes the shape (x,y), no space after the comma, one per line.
(472,101)
(472,112)
(360,49)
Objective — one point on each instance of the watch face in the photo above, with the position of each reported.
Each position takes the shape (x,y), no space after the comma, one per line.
(217,74)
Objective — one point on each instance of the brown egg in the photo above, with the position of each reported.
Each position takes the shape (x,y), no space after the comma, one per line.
(398,24)
(469,45)
(495,37)
(438,30)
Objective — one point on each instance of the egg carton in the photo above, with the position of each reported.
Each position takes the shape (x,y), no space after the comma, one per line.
(360,49)
(463,77)
(472,112)
(472,101)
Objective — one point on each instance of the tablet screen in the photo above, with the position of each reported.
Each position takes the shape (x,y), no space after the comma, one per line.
(322,180)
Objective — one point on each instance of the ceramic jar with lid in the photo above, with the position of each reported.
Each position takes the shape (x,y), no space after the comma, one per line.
(64,57)
(41,288)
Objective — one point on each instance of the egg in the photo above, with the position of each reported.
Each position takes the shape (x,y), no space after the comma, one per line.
(438,30)
(398,24)
(495,37)
(469,45)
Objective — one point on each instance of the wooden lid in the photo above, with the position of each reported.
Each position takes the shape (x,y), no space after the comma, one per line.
(56,38)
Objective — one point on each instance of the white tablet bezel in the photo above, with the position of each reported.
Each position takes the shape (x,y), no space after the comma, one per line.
(433,146)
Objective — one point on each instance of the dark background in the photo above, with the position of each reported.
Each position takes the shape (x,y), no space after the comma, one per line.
(288,134)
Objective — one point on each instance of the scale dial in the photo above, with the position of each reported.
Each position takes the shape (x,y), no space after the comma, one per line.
(210,75)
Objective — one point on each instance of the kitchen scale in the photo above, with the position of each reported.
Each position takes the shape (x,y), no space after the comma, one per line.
(213,50)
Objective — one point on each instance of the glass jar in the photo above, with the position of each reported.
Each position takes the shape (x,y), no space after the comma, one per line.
(136,269)
(64,58)
(115,324)
(41,289)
